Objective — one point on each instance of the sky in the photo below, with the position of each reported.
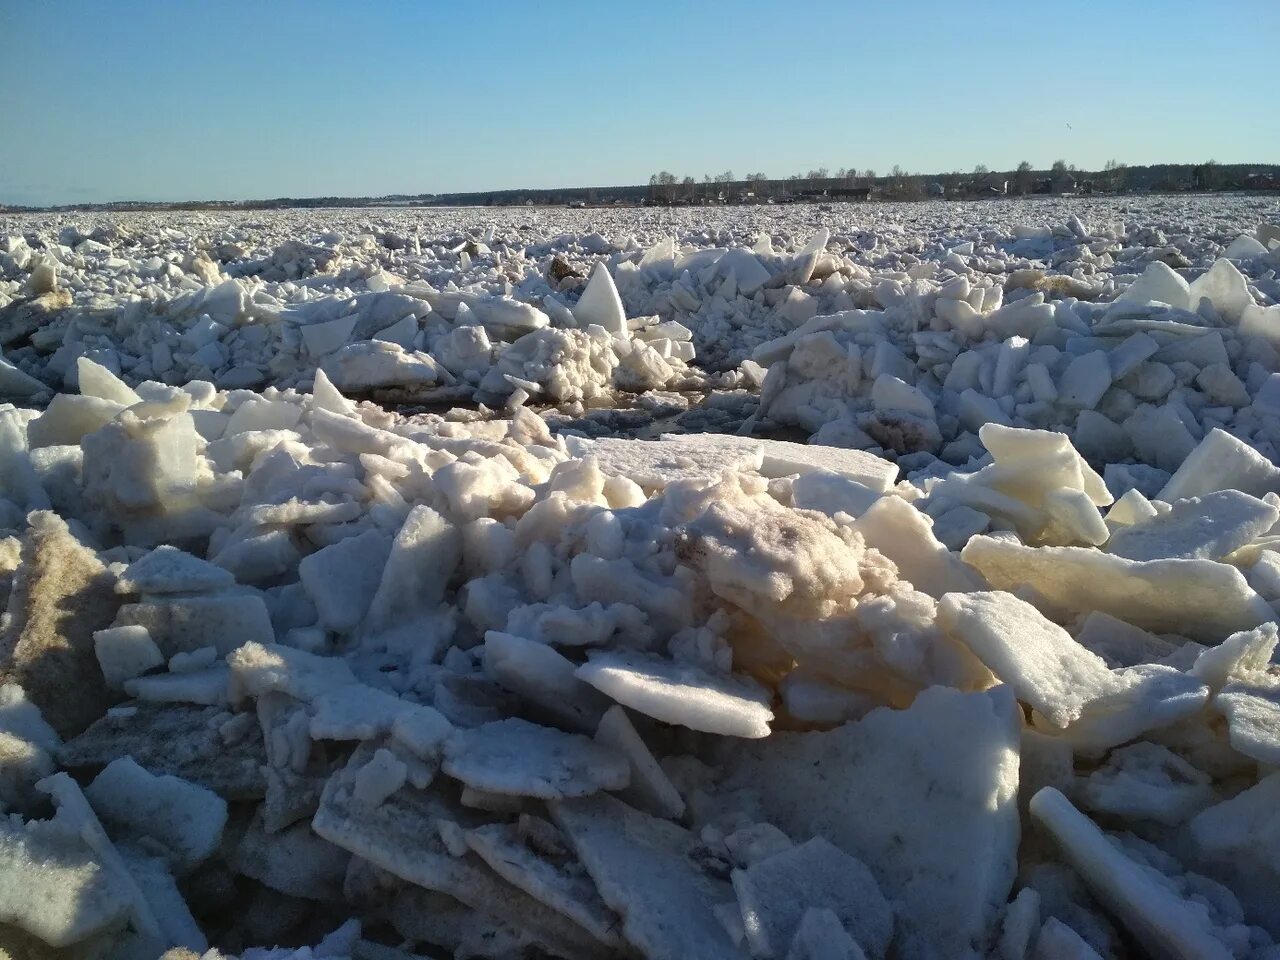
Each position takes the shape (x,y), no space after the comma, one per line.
(242,99)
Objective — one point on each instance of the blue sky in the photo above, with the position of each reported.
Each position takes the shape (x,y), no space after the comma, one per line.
(177,99)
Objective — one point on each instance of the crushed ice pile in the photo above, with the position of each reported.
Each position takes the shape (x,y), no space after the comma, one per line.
(985,670)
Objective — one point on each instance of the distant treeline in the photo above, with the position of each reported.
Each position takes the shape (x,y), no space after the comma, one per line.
(667,189)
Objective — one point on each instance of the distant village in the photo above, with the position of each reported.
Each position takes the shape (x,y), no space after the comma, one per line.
(816,186)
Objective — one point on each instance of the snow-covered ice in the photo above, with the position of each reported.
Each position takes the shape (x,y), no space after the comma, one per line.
(875,581)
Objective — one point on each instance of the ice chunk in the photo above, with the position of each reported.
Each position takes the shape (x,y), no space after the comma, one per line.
(261,668)
(370,364)
(160,890)
(941,775)
(1264,575)
(1261,322)
(1021,921)
(1127,357)
(1157,917)
(650,788)
(52,884)
(890,393)
(354,711)
(259,558)
(259,414)
(1244,247)
(748,272)
(1159,283)
(71,803)
(681,693)
(180,624)
(68,419)
(1057,941)
(185,819)
(293,861)
(208,686)
(325,396)
(656,463)
(1252,709)
(782,458)
(564,888)
(1200,598)
(756,842)
(178,739)
(508,317)
(1045,666)
(544,677)
(1225,287)
(600,303)
(774,893)
(325,337)
(167,569)
(1145,781)
(1121,644)
(425,553)
(391,836)
(831,493)
(343,578)
(124,653)
(1085,380)
(1130,508)
(1245,654)
(21,718)
(1221,462)
(517,758)
(1205,528)
(1237,841)
(904,535)
(379,778)
(645,870)
(14,382)
(821,936)
(1145,697)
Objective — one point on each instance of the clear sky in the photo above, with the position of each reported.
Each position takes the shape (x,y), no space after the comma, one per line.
(237,99)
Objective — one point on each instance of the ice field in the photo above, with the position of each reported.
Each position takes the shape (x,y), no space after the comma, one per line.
(846,582)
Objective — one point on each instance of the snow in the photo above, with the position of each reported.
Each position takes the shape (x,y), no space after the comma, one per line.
(657,582)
